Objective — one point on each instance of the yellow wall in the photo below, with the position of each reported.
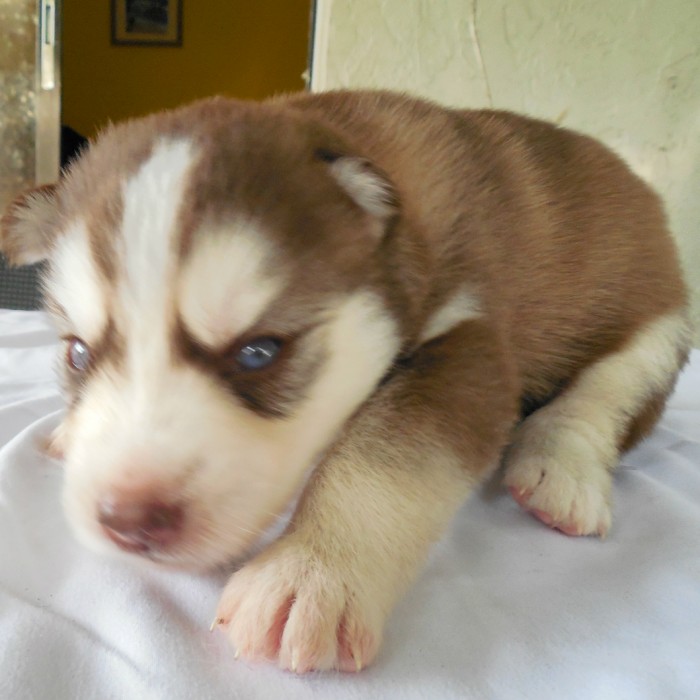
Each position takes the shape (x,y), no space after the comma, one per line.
(242,48)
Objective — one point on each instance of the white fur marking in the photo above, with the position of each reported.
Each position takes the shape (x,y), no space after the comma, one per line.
(460,307)
(617,387)
(148,250)
(362,342)
(223,288)
(152,199)
(75,283)
(365,186)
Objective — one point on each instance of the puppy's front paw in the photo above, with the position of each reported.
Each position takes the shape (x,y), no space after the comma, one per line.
(291,607)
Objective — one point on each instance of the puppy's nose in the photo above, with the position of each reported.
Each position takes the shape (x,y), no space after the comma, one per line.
(140,526)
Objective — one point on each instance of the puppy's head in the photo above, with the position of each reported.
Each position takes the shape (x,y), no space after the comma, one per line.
(213,276)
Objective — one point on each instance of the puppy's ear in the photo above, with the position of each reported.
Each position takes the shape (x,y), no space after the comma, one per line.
(365,183)
(28,225)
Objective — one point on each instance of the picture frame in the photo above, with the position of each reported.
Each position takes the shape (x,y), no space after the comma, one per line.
(147,22)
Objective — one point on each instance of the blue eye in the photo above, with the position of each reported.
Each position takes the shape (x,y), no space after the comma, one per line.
(258,353)
(78,355)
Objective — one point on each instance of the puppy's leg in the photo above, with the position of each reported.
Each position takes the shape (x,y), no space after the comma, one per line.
(318,598)
(560,464)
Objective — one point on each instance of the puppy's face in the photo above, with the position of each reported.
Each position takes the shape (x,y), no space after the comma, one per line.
(213,278)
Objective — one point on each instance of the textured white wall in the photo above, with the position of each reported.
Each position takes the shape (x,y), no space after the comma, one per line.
(625,71)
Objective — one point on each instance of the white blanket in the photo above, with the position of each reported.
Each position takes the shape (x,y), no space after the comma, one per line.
(506,608)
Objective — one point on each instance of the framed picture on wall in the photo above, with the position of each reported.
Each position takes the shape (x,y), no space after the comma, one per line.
(147,22)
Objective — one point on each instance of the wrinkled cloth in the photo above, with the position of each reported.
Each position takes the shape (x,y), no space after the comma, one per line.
(505,607)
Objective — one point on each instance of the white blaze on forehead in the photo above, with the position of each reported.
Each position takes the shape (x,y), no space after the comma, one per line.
(224,286)
(462,306)
(152,202)
(148,248)
(75,283)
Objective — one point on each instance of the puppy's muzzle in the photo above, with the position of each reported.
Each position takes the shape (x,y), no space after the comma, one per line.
(141,526)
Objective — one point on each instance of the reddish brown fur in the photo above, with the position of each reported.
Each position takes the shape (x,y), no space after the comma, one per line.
(567,250)
(12,246)
(559,255)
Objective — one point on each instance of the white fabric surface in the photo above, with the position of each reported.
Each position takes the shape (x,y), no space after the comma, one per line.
(505,609)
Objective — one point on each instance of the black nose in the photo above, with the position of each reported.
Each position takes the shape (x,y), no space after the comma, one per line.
(140,526)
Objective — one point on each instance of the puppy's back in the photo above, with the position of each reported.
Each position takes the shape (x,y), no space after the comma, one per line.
(568,249)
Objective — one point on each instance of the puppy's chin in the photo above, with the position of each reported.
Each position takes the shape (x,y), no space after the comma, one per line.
(192,554)
(196,550)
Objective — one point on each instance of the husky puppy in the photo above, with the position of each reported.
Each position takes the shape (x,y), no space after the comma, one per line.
(358,303)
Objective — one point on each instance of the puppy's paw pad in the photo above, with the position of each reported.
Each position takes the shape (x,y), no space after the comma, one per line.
(286,608)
